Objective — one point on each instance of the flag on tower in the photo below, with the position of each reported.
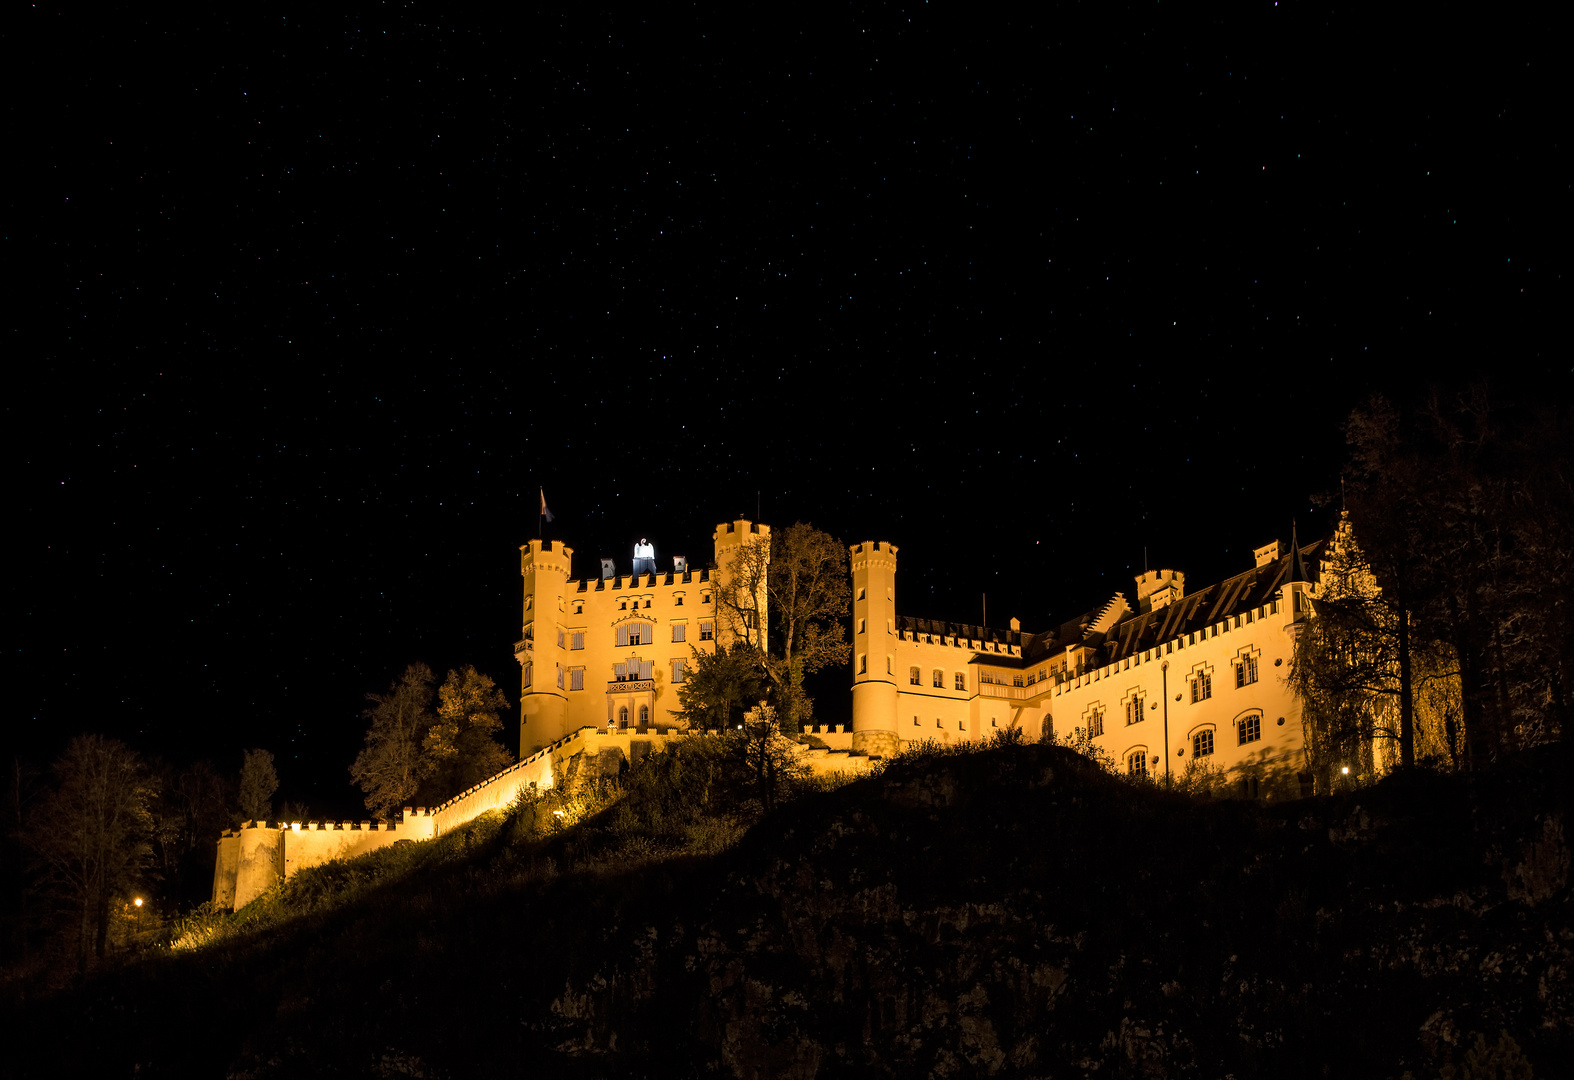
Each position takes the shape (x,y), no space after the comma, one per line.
(544,511)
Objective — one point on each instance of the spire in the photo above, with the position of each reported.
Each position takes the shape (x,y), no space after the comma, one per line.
(1298,571)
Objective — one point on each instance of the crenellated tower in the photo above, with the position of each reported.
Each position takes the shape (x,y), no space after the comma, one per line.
(545,567)
(874,647)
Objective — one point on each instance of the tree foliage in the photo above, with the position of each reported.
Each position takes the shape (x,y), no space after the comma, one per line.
(91,832)
(799,579)
(721,685)
(390,767)
(809,594)
(412,752)
(1372,693)
(1464,506)
(258,781)
(460,749)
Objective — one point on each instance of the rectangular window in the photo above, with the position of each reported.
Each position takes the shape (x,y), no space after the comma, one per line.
(1201,687)
(912,676)
(560,639)
(961,681)
(526,680)
(646,669)
(707,631)
(1246,671)
(620,672)
(560,676)
(1250,729)
(863,665)
(576,640)
(1202,743)
(1016,680)
(678,630)
(576,679)
(1096,723)
(1134,710)
(938,679)
(677,671)
(863,626)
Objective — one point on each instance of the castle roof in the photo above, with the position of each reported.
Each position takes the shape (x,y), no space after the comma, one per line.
(1203,608)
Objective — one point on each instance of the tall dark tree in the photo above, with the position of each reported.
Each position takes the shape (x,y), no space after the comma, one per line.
(1459,504)
(258,781)
(461,748)
(809,595)
(390,767)
(721,685)
(91,833)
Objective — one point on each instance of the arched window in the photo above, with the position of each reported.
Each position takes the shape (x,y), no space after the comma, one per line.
(912,676)
(623,716)
(1202,743)
(939,679)
(1044,730)
(1249,729)
(644,715)
(1137,763)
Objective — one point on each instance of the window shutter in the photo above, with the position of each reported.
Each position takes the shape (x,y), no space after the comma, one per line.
(647,669)
(677,631)
(677,671)
(620,671)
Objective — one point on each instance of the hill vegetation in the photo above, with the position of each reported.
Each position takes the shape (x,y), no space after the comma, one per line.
(1010,911)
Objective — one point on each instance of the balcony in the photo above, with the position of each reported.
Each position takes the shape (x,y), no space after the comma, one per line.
(630,686)
(523,646)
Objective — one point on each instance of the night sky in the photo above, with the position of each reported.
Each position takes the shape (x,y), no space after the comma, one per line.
(307,308)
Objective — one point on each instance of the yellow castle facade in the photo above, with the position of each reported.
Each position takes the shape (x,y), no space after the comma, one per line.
(611,651)
(1173,685)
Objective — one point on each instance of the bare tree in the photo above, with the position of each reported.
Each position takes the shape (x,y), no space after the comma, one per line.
(809,592)
(91,832)
(742,596)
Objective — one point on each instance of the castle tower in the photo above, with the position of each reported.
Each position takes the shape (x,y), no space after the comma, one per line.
(543,706)
(874,648)
(1297,590)
(743,558)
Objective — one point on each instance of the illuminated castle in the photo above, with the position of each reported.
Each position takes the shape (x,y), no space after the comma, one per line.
(1174,680)
(611,651)
(1178,679)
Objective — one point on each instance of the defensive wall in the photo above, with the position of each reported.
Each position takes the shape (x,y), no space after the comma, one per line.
(259,854)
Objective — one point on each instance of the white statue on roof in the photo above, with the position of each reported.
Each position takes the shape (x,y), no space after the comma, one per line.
(644,557)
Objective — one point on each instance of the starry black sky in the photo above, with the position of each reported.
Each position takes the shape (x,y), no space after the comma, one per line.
(314,304)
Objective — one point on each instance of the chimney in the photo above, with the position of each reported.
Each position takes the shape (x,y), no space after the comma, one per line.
(1266,554)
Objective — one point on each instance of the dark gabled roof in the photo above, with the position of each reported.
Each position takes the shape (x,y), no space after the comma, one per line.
(1201,609)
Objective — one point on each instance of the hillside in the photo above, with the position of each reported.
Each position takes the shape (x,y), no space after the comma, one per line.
(1010,912)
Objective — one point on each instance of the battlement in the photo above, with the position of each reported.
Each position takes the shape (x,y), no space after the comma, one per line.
(641,581)
(1157,588)
(960,635)
(871,551)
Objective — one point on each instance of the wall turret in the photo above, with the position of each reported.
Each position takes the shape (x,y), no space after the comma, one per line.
(545,567)
(1158,588)
(874,647)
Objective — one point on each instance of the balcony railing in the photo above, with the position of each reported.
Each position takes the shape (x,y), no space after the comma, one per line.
(524,645)
(630,686)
